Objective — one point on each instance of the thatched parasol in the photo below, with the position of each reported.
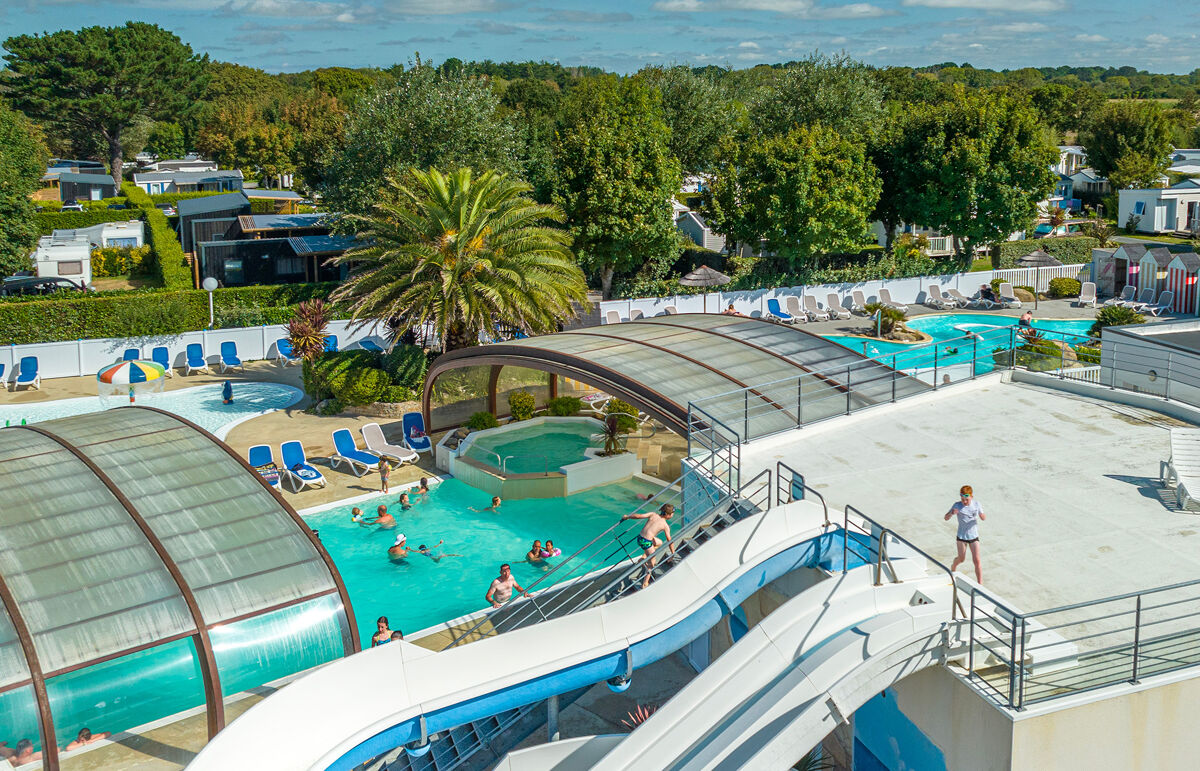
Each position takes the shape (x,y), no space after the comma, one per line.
(705,276)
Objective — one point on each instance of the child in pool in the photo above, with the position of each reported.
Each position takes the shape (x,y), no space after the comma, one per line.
(423,489)
(404,502)
(549,550)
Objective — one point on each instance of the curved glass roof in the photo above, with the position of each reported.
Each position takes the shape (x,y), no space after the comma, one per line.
(665,362)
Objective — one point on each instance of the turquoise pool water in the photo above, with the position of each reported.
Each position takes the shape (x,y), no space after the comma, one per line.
(992,331)
(200,404)
(539,448)
(417,592)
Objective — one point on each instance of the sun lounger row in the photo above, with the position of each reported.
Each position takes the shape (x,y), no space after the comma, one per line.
(296,473)
(1145,302)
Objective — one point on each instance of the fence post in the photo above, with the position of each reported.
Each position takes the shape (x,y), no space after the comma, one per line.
(1012,665)
(1170,358)
(746,415)
(1021,668)
(1137,637)
(78,359)
(894,373)
(971,639)
(848,389)
(935,366)
(974,354)
(799,401)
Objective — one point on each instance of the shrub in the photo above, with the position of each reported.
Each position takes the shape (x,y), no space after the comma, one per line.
(626,414)
(122,261)
(481,420)
(174,198)
(173,267)
(1087,354)
(406,366)
(1039,355)
(1115,316)
(1064,287)
(1070,250)
(521,405)
(49,221)
(306,330)
(564,406)
(361,386)
(394,394)
(329,374)
(1131,224)
(890,316)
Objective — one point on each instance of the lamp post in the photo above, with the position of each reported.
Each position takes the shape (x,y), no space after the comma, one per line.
(208,285)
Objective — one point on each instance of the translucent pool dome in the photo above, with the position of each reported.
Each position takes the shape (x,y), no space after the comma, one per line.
(146,570)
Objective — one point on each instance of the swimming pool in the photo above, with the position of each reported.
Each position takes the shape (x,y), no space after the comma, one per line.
(539,447)
(199,404)
(417,592)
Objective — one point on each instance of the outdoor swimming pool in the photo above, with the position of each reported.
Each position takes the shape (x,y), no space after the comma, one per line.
(417,592)
(536,448)
(992,329)
(199,404)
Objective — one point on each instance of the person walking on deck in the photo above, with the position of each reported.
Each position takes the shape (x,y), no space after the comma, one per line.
(969,513)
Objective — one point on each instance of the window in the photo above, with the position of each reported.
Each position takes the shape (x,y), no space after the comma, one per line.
(1139,207)
(122,242)
(233,272)
(289,265)
(70,268)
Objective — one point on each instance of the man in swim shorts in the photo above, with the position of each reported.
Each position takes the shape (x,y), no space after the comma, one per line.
(969,512)
(398,550)
(647,539)
(383,519)
(502,587)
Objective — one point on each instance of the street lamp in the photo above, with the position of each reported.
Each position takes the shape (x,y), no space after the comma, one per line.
(209,284)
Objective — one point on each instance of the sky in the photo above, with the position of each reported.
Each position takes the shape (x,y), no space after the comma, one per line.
(624,35)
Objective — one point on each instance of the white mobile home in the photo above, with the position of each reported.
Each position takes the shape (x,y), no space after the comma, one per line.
(1162,209)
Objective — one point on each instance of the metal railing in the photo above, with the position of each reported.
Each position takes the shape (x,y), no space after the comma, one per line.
(796,488)
(1155,372)
(507,458)
(1073,649)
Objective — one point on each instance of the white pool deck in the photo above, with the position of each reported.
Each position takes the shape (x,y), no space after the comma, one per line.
(1069,486)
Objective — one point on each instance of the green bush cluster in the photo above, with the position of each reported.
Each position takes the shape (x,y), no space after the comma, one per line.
(103,203)
(564,406)
(172,265)
(406,365)
(49,221)
(354,377)
(1088,354)
(174,198)
(626,414)
(521,405)
(1115,316)
(1069,250)
(143,312)
(122,261)
(482,420)
(1064,287)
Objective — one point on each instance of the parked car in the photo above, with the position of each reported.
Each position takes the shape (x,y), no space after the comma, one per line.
(166,209)
(1045,230)
(117,206)
(72,207)
(27,285)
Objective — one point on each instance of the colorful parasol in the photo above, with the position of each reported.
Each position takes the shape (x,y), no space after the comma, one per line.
(128,372)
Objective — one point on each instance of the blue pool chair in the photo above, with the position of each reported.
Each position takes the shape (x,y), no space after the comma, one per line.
(347,452)
(413,421)
(162,357)
(3,382)
(196,362)
(131,354)
(263,461)
(284,353)
(331,344)
(27,373)
(229,356)
(367,344)
(774,311)
(296,468)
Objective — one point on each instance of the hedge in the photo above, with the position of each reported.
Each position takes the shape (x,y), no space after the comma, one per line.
(1070,250)
(103,203)
(172,266)
(121,261)
(174,198)
(49,221)
(146,312)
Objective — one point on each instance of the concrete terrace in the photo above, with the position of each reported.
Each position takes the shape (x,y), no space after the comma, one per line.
(1069,485)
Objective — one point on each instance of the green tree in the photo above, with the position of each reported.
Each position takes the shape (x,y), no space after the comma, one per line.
(103,80)
(22,163)
(696,110)
(975,167)
(428,120)
(804,194)
(344,84)
(1136,133)
(318,122)
(464,252)
(166,141)
(615,177)
(838,92)
(534,107)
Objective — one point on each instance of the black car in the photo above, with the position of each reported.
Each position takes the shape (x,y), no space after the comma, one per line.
(26,285)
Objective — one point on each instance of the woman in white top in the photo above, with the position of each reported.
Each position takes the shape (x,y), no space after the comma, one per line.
(969,512)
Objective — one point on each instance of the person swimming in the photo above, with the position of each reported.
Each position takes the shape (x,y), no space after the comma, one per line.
(494,507)
(534,555)
(404,502)
(549,550)
(435,556)
(398,550)
(383,519)
(423,488)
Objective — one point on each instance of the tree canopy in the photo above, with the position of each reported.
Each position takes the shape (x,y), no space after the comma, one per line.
(1129,139)
(103,80)
(697,111)
(22,163)
(616,176)
(837,92)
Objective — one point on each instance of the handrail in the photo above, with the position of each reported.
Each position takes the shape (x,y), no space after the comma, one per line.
(796,476)
(545,458)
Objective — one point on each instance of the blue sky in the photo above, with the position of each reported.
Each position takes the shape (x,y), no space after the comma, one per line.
(623,35)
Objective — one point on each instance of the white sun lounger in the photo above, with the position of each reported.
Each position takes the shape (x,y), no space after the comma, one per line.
(793,307)
(375,441)
(958,297)
(1087,295)
(813,310)
(1008,297)
(612,317)
(858,302)
(934,298)
(1182,470)
(885,297)
(1165,300)
(1124,298)
(836,309)
(1145,299)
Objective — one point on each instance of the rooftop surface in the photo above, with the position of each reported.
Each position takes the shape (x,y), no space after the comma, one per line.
(1069,486)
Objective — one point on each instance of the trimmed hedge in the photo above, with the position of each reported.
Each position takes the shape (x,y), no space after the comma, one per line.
(174,198)
(122,260)
(103,203)
(49,221)
(143,312)
(172,266)
(1070,250)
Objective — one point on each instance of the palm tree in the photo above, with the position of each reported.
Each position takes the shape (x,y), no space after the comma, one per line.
(466,253)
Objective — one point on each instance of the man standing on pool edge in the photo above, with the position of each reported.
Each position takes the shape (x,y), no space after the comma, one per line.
(969,512)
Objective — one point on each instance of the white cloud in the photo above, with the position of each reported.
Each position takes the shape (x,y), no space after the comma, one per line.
(1156,39)
(799,8)
(1081,38)
(1021,27)
(441,7)
(849,11)
(1016,6)
(748,44)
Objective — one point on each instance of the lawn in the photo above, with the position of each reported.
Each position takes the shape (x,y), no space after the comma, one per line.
(1161,239)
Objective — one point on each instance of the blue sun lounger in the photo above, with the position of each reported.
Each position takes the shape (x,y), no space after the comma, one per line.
(367,344)
(413,421)
(297,469)
(779,313)
(229,357)
(263,460)
(27,373)
(131,354)
(162,356)
(347,452)
(284,352)
(195,359)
